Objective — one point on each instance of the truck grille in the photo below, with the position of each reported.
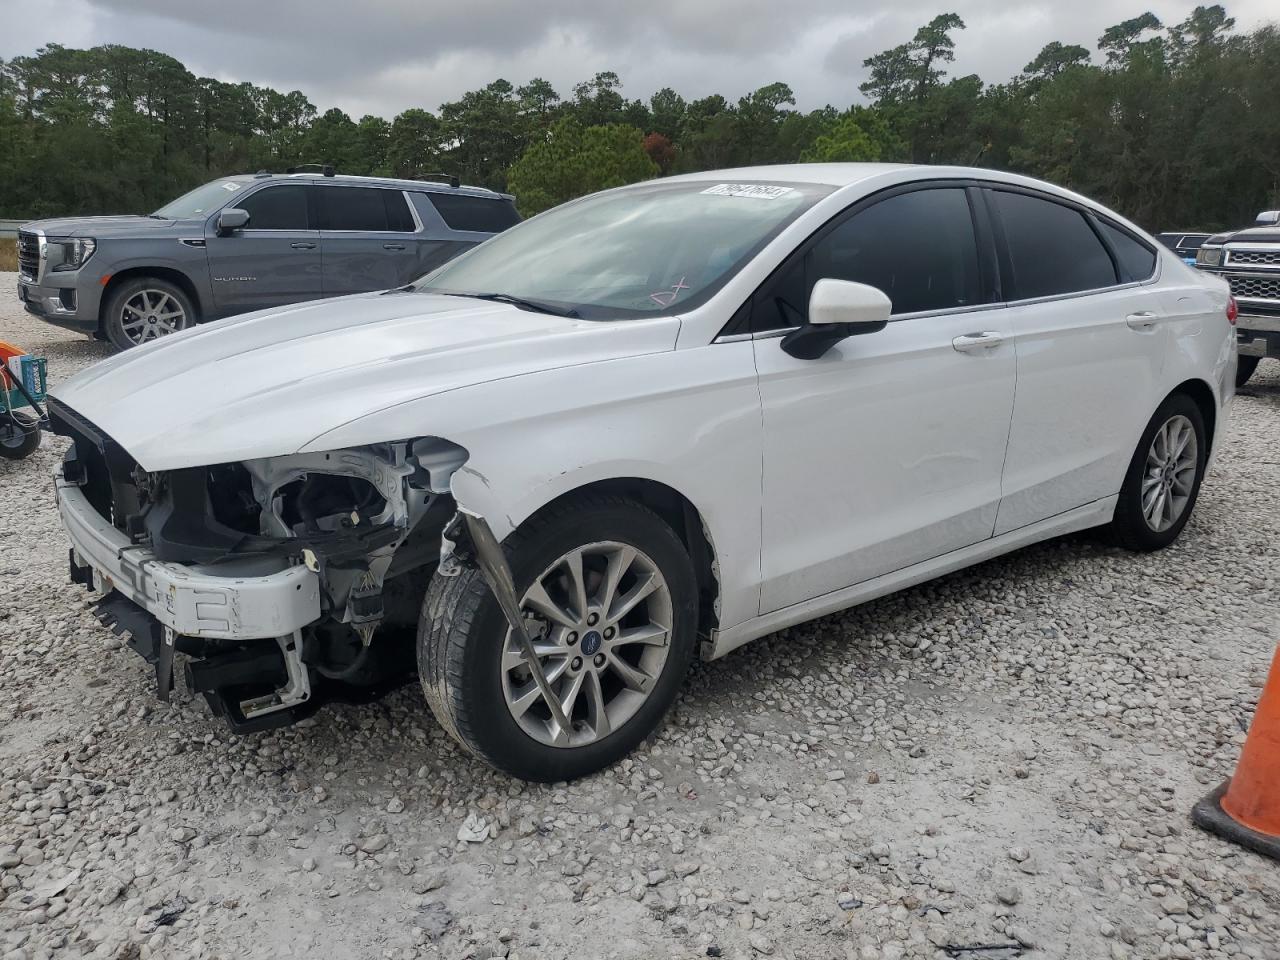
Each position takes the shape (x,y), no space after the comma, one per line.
(28,255)
(1256,288)
(1267,258)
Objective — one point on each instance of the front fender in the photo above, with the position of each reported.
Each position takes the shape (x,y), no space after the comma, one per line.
(688,419)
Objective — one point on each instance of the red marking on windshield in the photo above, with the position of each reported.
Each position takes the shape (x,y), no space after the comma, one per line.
(665,298)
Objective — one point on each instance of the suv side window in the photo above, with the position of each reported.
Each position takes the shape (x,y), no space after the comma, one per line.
(481,214)
(282,207)
(1137,260)
(364,209)
(1052,248)
(918,247)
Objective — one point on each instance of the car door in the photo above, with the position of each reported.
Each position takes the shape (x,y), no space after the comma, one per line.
(886,451)
(1090,343)
(368,238)
(273,260)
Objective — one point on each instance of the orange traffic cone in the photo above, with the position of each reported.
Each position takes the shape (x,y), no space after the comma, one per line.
(1246,809)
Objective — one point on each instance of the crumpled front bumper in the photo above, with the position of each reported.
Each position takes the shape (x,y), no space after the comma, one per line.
(235,600)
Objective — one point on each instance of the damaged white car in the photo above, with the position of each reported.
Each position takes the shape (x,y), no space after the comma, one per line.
(653,423)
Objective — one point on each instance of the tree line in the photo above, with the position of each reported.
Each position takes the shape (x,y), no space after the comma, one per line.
(1173,125)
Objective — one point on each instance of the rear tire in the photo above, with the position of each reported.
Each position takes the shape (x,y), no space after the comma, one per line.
(465,657)
(1163,482)
(1245,368)
(18,438)
(145,309)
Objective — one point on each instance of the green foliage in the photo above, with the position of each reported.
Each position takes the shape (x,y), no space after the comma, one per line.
(575,160)
(1172,125)
(859,135)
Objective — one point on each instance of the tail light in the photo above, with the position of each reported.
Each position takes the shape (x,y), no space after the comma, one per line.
(1233,311)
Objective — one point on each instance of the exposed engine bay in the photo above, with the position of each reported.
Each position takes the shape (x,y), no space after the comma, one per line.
(366,521)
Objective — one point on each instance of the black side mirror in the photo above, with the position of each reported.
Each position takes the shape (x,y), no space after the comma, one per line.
(232,219)
(813,340)
(837,309)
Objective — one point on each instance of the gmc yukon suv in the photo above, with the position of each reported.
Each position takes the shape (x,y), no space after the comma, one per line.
(247,243)
(1249,260)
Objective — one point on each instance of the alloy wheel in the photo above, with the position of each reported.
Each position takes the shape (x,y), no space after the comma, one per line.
(151,314)
(601,619)
(1170,473)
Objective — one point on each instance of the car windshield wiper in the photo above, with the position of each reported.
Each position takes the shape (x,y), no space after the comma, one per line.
(538,306)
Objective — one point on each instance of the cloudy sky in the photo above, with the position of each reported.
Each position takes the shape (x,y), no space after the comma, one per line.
(380,56)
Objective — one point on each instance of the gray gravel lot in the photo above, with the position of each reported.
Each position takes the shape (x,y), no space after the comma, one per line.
(1005,756)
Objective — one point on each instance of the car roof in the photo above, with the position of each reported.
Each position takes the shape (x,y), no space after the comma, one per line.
(425,186)
(841,175)
(827,174)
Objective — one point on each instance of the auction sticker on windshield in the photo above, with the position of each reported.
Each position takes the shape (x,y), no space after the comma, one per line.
(760,191)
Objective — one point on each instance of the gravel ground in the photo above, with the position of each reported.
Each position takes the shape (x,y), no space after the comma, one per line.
(1005,756)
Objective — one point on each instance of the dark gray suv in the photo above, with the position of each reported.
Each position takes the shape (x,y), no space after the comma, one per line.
(247,243)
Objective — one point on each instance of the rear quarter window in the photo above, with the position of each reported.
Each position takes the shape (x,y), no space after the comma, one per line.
(477,214)
(1052,248)
(1137,260)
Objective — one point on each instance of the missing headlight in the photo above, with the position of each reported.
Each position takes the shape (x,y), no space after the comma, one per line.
(324,503)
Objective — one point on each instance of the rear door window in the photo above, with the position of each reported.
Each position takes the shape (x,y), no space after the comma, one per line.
(364,209)
(1052,248)
(281,207)
(478,214)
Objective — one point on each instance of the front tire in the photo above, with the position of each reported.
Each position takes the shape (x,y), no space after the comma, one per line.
(1163,481)
(145,309)
(1245,367)
(609,594)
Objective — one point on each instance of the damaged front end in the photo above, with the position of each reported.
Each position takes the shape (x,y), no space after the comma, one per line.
(285,581)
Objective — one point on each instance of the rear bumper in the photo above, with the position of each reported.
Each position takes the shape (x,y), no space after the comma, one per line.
(1258,335)
(236,600)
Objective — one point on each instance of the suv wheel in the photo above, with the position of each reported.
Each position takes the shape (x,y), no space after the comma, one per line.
(1245,366)
(146,309)
(1163,481)
(609,596)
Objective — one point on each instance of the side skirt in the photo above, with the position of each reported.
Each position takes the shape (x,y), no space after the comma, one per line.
(1081,518)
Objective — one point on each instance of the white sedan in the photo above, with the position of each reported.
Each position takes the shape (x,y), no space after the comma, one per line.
(692,411)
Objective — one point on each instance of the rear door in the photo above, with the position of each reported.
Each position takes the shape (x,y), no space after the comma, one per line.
(368,238)
(274,260)
(1091,338)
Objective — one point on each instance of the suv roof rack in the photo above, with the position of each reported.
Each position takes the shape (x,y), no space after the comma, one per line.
(325,169)
(448,178)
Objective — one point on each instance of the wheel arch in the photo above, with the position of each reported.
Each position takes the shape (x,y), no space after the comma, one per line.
(673,506)
(1203,396)
(171,274)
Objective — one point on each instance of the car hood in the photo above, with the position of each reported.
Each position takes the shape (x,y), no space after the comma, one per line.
(104,227)
(265,384)
(1248,235)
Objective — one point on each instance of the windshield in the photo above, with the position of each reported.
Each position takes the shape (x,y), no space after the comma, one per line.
(200,201)
(627,253)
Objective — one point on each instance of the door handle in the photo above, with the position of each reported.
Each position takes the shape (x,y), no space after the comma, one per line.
(303,245)
(1143,320)
(974,342)
(393,246)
